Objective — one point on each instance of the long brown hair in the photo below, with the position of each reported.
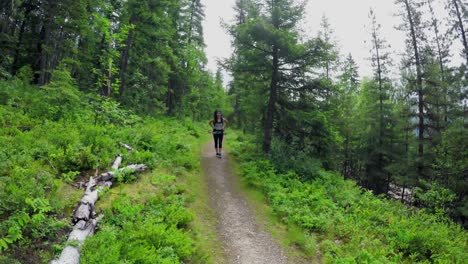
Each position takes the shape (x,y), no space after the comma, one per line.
(215,117)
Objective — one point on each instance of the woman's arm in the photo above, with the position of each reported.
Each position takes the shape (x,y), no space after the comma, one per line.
(211,123)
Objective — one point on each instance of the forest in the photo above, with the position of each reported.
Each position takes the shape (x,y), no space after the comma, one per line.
(365,169)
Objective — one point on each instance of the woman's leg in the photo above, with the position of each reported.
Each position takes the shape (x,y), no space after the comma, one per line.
(215,138)
(218,138)
(220,144)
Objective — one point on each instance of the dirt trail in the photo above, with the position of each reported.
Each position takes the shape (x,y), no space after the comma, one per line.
(243,240)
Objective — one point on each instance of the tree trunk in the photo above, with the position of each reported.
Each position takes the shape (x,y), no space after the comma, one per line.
(170,98)
(268,126)
(381,121)
(462,29)
(421,126)
(40,63)
(346,166)
(441,67)
(43,45)
(14,65)
(380,174)
(125,57)
(105,63)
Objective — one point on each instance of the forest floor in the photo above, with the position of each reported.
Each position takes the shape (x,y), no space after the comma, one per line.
(244,239)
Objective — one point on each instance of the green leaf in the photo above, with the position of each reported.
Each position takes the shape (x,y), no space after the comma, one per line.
(3,244)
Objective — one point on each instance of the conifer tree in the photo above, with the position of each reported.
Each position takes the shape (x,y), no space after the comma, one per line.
(268,43)
(413,25)
(459,13)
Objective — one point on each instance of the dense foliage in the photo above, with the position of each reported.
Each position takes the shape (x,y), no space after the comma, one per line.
(147,54)
(345,223)
(74,75)
(137,233)
(79,77)
(392,136)
(54,135)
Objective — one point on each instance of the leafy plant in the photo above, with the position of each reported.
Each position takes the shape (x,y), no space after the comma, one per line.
(351,225)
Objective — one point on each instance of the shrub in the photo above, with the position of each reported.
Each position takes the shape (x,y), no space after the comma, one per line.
(352,225)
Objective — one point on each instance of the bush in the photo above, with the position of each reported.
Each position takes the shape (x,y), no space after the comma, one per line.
(150,233)
(350,224)
(50,135)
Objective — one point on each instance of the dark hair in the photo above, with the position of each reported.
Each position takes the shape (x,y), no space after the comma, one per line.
(214,115)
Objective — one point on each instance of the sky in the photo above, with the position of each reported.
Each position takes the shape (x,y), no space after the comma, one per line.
(348,18)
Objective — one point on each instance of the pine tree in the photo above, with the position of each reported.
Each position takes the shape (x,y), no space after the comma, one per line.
(269,44)
(413,25)
(459,12)
(187,69)
(349,77)
(349,88)
(330,60)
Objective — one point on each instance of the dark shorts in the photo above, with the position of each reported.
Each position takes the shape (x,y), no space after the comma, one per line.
(218,138)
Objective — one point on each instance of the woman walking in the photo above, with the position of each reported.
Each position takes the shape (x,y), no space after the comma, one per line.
(218,123)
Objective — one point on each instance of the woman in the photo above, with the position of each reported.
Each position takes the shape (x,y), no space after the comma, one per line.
(218,123)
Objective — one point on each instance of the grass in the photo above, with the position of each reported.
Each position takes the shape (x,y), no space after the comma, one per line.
(46,145)
(140,191)
(69,195)
(193,184)
(346,223)
(205,220)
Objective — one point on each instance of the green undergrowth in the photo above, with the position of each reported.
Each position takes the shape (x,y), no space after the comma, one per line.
(342,223)
(296,244)
(163,216)
(55,135)
(149,225)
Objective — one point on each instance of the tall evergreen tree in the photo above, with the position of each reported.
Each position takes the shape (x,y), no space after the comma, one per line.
(459,13)
(349,88)
(270,44)
(349,77)
(413,25)
(187,69)
(330,60)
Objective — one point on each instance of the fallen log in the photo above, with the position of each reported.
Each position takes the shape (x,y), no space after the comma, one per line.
(85,208)
(85,223)
(126,146)
(400,193)
(117,162)
(84,215)
(71,253)
(135,167)
(107,176)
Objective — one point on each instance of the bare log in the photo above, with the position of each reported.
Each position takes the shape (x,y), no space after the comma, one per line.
(107,184)
(71,253)
(117,162)
(85,223)
(84,215)
(107,176)
(400,193)
(135,167)
(85,208)
(126,146)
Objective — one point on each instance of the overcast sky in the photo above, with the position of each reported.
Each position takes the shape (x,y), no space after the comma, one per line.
(348,18)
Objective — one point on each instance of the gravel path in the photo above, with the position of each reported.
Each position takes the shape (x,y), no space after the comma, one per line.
(243,240)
